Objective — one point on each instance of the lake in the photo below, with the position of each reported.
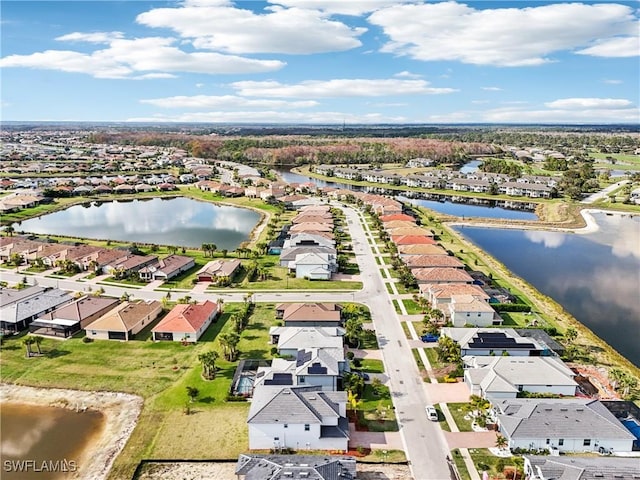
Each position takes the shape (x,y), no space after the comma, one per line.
(595,277)
(173,221)
(462,206)
(55,436)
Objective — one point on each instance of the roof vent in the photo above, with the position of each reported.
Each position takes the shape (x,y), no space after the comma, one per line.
(288,474)
(598,475)
(304,474)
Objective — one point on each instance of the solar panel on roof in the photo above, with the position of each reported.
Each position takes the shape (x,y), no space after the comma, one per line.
(280,379)
(317,369)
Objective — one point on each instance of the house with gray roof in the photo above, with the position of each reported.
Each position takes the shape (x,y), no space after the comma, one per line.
(504,377)
(561,425)
(299,418)
(581,468)
(495,341)
(291,339)
(282,467)
(28,305)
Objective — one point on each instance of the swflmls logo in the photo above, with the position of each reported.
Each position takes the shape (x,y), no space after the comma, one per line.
(53,466)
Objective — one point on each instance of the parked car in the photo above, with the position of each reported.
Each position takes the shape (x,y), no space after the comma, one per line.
(432,413)
(429,337)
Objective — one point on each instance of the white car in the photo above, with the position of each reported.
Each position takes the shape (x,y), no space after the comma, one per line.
(432,413)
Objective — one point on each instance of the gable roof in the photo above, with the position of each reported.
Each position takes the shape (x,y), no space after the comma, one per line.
(421,250)
(277,467)
(430,261)
(574,467)
(187,317)
(310,311)
(81,308)
(412,240)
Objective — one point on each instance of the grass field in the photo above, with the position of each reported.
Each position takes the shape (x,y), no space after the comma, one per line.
(458,413)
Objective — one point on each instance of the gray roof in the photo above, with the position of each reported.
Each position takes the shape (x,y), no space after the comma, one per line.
(12,295)
(34,305)
(584,468)
(541,336)
(306,405)
(292,252)
(317,467)
(529,418)
(470,338)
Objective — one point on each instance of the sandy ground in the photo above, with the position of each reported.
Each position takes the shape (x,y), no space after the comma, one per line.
(225,471)
(121,413)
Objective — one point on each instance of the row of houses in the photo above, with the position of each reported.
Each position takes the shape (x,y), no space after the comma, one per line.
(533,186)
(297,401)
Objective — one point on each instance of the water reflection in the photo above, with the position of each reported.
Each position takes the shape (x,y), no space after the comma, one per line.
(595,277)
(18,443)
(179,221)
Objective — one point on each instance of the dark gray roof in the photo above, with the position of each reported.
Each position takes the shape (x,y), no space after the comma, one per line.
(312,467)
(585,468)
(541,336)
(558,418)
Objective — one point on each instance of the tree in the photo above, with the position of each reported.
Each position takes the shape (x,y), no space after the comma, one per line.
(37,341)
(9,230)
(229,342)
(353,332)
(571,334)
(208,360)
(27,342)
(501,441)
(192,392)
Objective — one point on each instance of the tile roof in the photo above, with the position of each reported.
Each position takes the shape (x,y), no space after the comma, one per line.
(126,316)
(430,261)
(81,308)
(311,311)
(441,274)
(421,250)
(187,317)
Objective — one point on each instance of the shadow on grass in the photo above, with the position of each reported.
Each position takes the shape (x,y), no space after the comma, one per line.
(56,353)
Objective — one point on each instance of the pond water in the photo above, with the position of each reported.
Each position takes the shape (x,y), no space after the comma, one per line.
(447,204)
(471,166)
(595,277)
(174,221)
(37,439)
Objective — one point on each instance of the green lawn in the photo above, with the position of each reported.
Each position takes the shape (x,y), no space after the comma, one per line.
(412,307)
(441,419)
(405,327)
(458,412)
(460,465)
(372,406)
(371,365)
(483,459)
(280,280)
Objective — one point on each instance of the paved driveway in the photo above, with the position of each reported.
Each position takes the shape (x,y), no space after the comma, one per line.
(447,392)
(375,440)
(470,439)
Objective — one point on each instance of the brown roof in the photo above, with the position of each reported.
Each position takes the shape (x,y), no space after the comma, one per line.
(315,209)
(397,216)
(311,226)
(310,218)
(412,240)
(421,250)
(81,309)
(441,274)
(134,261)
(187,317)
(80,251)
(310,311)
(399,224)
(220,268)
(426,261)
(126,316)
(447,290)
(410,231)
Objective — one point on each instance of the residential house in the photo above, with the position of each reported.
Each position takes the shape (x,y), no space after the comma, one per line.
(218,270)
(70,318)
(504,377)
(562,426)
(307,240)
(432,261)
(283,467)
(186,322)
(166,268)
(441,275)
(298,418)
(467,310)
(440,294)
(543,338)
(495,341)
(542,467)
(125,321)
(130,264)
(400,231)
(310,314)
(311,227)
(288,255)
(421,249)
(403,217)
(291,339)
(18,308)
(314,266)
(412,240)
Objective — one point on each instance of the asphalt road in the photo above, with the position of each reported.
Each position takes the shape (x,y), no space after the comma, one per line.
(425,444)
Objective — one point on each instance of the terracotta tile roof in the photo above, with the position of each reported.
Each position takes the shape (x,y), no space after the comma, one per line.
(447,290)
(427,261)
(421,250)
(410,231)
(412,240)
(187,317)
(399,224)
(126,316)
(442,274)
(397,216)
(311,311)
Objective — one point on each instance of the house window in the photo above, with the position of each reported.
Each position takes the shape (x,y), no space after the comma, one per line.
(306,427)
(520,388)
(286,425)
(276,439)
(561,442)
(548,441)
(301,378)
(586,442)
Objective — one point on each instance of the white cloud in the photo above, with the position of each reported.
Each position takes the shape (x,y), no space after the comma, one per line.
(199,85)
(479,102)
(492,89)
(406,74)
(614,47)
(339,87)
(548,239)
(234,30)
(503,36)
(591,103)
(334,118)
(224,101)
(563,115)
(611,81)
(95,37)
(123,58)
(342,7)
(453,117)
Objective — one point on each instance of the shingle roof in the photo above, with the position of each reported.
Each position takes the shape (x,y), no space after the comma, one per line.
(585,468)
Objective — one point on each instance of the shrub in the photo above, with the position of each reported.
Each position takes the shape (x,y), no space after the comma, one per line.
(236,398)
(511,307)
(87,340)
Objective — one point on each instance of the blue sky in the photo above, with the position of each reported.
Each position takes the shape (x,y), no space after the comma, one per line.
(321,61)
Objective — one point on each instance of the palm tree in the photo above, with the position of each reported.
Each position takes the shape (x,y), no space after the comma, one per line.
(501,441)
(229,342)
(353,332)
(208,360)
(205,249)
(9,230)
(27,342)
(192,392)
(37,341)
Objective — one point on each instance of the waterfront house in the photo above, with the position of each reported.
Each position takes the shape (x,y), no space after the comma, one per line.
(421,249)
(468,310)
(441,275)
(318,467)
(18,308)
(432,261)
(186,322)
(166,268)
(218,270)
(124,321)
(495,341)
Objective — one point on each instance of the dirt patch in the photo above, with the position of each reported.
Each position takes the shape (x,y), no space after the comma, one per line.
(121,413)
(226,471)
